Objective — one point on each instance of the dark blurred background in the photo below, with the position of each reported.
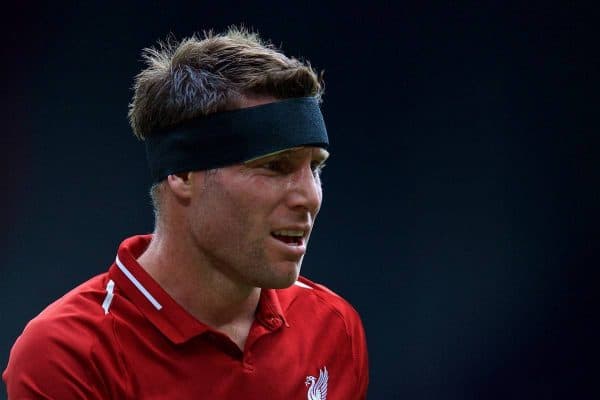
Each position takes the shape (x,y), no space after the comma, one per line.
(460,200)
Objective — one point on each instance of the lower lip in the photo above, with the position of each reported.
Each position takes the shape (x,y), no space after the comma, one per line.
(295,249)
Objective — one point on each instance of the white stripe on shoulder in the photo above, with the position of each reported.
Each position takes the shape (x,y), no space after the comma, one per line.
(109,296)
(138,285)
(302,285)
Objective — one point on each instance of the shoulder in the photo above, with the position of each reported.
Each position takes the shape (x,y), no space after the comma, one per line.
(76,312)
(309,296)
(52,356)
(314,307)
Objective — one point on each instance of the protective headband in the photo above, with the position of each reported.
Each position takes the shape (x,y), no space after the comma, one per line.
(231,137)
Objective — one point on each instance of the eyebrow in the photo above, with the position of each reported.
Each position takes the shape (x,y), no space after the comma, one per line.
(264,157)
(321,155)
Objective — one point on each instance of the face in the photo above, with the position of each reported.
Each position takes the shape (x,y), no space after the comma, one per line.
(252,221)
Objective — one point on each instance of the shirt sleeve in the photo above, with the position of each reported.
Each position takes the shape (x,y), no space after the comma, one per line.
(51,362)
(361,358)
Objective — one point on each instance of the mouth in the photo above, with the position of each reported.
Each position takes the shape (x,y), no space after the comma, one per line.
(290,237)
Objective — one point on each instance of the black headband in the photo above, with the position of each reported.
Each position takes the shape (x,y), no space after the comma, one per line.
(231,137)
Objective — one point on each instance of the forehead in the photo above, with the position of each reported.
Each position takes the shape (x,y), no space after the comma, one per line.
(316,154)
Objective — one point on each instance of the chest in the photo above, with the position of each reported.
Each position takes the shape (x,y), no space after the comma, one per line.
(292,362)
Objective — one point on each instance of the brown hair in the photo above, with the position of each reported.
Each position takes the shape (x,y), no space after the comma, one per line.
(195,77)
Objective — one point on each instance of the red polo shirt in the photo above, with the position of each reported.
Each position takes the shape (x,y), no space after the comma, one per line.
(121,336)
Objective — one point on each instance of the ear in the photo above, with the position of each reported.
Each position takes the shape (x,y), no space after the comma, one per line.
(181,184)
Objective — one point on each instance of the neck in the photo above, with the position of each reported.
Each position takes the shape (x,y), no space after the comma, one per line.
(200,288)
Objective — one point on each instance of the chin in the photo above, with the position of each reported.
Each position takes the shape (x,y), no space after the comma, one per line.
(281,284)
(282,278)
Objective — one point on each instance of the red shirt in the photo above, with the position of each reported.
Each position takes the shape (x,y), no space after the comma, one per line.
(121,336)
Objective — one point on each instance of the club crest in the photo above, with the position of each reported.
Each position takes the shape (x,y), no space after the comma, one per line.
(317,387)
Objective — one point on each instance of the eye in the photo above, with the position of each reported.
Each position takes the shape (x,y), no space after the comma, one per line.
(317,167)
(277,165)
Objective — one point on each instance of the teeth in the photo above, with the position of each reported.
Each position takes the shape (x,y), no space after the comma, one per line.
(289,233)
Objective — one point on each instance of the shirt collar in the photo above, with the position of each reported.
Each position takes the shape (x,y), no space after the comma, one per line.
(161,309)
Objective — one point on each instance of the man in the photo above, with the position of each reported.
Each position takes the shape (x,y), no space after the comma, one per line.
(211,304)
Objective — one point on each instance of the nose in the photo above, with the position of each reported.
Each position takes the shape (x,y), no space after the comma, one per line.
(305,190)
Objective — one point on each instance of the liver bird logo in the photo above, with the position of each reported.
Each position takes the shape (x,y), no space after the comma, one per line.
(317,388)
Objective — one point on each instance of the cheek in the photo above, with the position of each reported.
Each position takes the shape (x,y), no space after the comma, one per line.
(226,217)
(264,196)
(242,207)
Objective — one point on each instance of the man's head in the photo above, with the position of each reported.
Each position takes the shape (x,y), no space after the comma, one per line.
(195,77)
(250,219)
(201,76)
